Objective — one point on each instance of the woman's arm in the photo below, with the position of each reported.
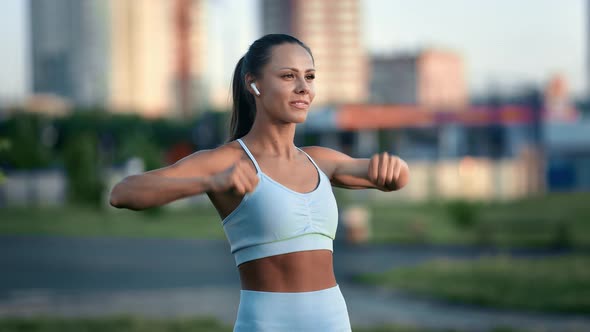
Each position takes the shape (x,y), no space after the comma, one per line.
(142,191)
(382,171)
(201,172)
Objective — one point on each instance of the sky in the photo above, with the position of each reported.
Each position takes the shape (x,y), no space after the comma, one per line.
(13,49)
(504,43)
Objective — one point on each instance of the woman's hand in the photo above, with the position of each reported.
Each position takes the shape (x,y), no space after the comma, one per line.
(388,172)
(383,171)
(240,179)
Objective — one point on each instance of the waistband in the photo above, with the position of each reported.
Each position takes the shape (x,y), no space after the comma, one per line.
(315,311)
(292,294)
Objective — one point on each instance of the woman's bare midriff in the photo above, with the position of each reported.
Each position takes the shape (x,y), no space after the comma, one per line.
(302,271)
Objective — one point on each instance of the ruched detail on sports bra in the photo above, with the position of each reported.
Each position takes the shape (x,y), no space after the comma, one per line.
(274,219)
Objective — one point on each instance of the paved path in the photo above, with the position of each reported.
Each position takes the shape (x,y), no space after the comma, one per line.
(168,278)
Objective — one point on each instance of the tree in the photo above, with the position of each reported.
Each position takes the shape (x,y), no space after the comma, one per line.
(84,170)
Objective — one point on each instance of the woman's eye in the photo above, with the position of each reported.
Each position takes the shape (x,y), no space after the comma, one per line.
(288,76)
(310,77)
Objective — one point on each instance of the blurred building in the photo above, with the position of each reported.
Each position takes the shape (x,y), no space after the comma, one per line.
(568,155)
(49,104)
(558,105)
(331,28)
(69,39)
(155,69)
(432,79)
(490,151)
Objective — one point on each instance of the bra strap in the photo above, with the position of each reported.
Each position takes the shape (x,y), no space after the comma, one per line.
(249,155)
(313,162)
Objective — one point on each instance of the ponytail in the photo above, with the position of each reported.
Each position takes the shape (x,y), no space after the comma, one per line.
(244,107)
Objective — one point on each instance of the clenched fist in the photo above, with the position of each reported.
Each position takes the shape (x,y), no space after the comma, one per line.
(240,179)
(387,172)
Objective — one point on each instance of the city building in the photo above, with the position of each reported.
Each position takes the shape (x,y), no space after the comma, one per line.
(68,43)
(558,104)
(155,58)
(506,150)
(432,79)
(331,28)
(156,62)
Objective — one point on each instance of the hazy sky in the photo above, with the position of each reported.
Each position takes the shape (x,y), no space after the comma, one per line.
(503,42)
(13,51)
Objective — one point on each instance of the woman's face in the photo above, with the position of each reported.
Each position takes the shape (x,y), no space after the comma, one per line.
(286,84)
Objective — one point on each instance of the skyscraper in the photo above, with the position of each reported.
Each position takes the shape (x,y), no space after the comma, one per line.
(331,28)
(433,79)
(155,67)
(68,42)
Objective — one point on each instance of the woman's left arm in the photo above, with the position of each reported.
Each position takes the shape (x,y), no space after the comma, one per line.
(382,171)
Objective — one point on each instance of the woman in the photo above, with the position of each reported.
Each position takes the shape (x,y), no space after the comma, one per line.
(276,200)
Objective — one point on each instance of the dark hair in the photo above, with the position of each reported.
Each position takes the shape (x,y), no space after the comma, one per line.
(258,55)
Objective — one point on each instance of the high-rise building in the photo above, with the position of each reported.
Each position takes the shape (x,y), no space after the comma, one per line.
(68,42)
(331,28)
(557,101)
(432,79)
(152,55)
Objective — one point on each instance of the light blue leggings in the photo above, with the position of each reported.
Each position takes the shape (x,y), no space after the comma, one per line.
(323,310)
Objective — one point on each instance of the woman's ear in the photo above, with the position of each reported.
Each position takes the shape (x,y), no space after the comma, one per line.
(251,85)
(255,88)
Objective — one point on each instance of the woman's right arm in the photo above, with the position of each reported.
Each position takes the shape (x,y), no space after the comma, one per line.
(201,172)
(142,191)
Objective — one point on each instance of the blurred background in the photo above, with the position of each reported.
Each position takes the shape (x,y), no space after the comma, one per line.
(488,102)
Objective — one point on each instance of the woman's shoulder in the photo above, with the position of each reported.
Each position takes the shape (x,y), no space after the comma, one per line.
(211,161)
(228,148)
(225,154)
(323,153)
(327,159)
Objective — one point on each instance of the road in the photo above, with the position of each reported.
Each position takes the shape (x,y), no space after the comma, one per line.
(75,277)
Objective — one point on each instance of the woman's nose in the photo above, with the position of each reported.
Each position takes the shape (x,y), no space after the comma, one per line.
(302,87)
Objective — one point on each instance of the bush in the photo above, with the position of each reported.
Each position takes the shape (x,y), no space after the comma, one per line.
(140,145)
(84,170)
(25,149)
(464,214)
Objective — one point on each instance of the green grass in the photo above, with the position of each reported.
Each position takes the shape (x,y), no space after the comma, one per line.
(128,324)
(556,284)
(401,328)
(557,220)
(81,221)
(121,324)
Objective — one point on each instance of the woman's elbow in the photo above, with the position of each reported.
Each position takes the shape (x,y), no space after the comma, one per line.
(115,198)
(119,197)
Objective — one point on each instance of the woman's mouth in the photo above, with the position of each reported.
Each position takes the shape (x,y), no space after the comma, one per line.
(300,104)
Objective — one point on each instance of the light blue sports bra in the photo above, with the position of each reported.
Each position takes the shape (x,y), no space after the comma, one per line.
(274,219)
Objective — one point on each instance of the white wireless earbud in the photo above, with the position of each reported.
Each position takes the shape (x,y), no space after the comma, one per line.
(253,86)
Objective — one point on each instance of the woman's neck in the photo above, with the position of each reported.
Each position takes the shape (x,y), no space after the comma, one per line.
(272,139)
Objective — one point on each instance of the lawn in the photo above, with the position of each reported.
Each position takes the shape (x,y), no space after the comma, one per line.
(557,220)
(554,284)
(128,324)
(197,222)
